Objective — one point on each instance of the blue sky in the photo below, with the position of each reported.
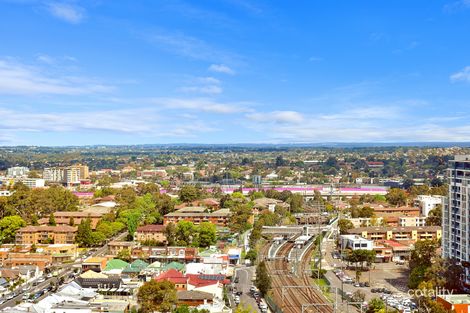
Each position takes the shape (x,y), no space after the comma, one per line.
(233,71)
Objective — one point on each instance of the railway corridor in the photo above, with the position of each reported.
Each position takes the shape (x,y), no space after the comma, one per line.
(290,292)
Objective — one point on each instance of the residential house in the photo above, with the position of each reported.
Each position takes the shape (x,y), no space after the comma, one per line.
(96,264)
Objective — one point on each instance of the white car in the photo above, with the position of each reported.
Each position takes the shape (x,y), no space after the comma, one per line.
(237,300)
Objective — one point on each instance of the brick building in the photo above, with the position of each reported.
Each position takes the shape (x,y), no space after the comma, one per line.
(59,234)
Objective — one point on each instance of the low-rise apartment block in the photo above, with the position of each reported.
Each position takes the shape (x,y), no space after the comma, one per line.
(427,203)
(198,215)
(398,233)
(151,233)
(355,242)
(45,234)
(412,221)
(65,218)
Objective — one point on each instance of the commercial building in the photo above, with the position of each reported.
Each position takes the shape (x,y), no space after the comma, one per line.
(45,234)
(427,203)
(398,233)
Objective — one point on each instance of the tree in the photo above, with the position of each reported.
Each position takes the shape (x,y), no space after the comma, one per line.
(396,196)
(345,225)
(185,233)
(34,220)
(188,193)
(157,296)
(280,161)
(124,255)
(239,219)
(423,253)
(97,238)
(435,216)
(207,234)
(358,296)
(170,234)
(8,227)
(251,255)
(366,212)
(52,220)
(376,305)
(84,235)
(296,201)
(263,280)
(244,309)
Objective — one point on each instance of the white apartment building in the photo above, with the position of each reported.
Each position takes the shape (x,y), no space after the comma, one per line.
(366,221)
(68,175)
(5,193)
(427,203)
(412,221)
(455,213)
(33,182)
(355,242)
(54,174)
(17,171)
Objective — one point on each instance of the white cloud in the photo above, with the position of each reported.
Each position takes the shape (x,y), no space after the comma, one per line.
(200,104)
(221,68)
(20,79)
(67,12)
(208,80)
(144,122)
(44,58)
(204,85)
(190,47)
(277,117)
(209,90)
(463,75)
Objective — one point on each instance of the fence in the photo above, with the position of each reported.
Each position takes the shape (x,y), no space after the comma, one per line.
(272,305)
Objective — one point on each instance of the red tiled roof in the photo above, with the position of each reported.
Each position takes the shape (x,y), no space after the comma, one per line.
(151,229)
(173,276)
(56,229)
(199,280)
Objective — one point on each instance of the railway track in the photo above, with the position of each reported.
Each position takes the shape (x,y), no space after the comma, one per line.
(290,292)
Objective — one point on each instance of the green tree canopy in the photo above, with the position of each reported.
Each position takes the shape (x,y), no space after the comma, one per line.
(8,227)
(263,280)
(207,234)
(157,296)
(344,225)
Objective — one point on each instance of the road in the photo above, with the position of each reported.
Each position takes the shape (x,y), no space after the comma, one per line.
(64,271)
(244,275)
